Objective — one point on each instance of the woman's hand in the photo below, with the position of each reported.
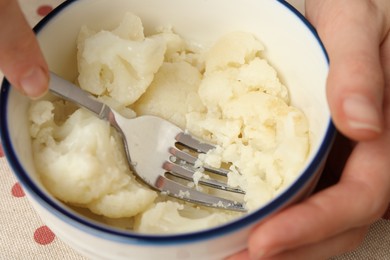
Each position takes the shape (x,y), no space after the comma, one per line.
(335,219)
(21,59)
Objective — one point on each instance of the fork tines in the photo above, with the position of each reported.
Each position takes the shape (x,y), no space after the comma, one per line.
(182,165)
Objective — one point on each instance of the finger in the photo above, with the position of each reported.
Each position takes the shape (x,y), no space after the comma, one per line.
(337,245)
(243,255)
(352,33)
(21,59)
(359,198)
(333,246)
(385,60)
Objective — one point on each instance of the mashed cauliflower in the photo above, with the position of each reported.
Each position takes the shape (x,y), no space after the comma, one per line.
(228,94)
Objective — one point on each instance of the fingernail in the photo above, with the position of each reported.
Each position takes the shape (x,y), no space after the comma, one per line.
(362,114)
(34,83)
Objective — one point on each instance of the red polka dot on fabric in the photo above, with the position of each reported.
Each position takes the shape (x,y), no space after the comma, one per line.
(43,235)
(17,191)
(43,10)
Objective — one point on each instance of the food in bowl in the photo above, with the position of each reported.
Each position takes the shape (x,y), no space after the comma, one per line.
(227,94)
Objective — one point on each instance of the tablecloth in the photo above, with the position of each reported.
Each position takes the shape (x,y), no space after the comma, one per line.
(23,235)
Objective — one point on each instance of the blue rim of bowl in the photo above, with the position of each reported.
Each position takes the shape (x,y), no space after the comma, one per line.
(145,239)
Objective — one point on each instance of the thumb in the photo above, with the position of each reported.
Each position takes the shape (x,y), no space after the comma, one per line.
(21,59)
(351,33)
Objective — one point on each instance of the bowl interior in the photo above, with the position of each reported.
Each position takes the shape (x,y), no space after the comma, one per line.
(291,47)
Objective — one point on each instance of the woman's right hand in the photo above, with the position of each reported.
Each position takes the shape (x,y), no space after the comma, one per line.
(21,60)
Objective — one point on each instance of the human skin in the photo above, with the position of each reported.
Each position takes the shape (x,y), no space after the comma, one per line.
(336,218)
(21,59)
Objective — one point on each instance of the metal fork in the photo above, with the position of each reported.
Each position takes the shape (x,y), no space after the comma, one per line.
(151,146)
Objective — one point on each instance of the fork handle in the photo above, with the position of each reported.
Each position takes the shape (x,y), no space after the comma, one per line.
(67,90)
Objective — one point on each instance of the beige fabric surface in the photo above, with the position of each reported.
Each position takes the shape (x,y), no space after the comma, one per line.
(23,235)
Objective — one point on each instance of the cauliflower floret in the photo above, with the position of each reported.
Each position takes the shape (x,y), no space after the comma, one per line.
(119,67)
(128,201)
(259,75)
(172,94)
(41,114)
(256,76)
(175,45)
(81,161)
(130,28)
(232,50)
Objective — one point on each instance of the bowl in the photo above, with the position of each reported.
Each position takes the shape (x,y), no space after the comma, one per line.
(292,47)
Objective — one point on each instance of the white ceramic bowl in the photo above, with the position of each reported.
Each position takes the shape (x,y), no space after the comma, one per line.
(292,47)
